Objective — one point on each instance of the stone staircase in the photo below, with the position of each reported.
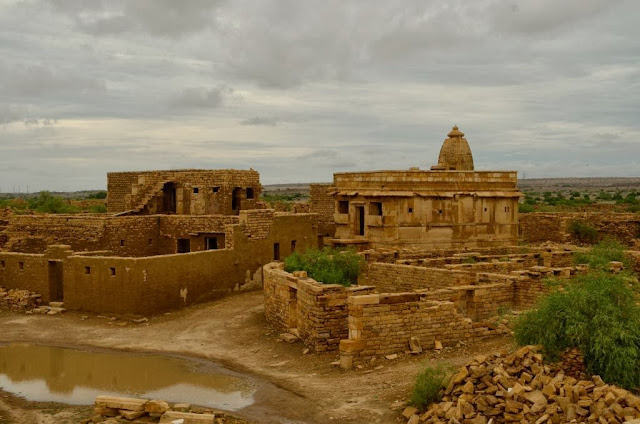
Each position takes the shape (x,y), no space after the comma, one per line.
(144,197)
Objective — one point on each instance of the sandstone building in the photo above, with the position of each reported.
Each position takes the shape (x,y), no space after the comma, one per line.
(449,205)
(173,238)
(183,192)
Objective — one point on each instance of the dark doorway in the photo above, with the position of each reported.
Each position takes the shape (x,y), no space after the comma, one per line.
(276,251)
(184,246)
(236,199)
(55,281)
(169,198)
(360,220)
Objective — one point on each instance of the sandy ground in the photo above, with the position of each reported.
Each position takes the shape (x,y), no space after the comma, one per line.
(295,388)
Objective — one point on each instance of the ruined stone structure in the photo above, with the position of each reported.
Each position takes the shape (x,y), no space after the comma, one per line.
(449,205)
(183,192)
(404,294)
(149,262)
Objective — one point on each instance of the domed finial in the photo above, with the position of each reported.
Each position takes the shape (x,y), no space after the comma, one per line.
(455,132)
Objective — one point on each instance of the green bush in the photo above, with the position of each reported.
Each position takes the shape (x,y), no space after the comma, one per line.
(98,209)
(599,256)
(429,384)
(525,208)
(583,232)
(597,313)
(328,266)
(98,195)
(48,203)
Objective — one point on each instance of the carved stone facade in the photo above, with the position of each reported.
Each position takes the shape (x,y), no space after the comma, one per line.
(449,205)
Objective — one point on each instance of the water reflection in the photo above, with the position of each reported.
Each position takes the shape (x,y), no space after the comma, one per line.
(42,373)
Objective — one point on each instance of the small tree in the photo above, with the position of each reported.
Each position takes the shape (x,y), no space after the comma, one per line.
(583,232)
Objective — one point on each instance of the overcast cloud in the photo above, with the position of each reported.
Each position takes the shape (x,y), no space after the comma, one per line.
(299,89)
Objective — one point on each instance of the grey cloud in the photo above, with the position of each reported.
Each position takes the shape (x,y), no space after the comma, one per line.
(37,80)
(542,16)
(10,114)
(261,120)
(200,97)
(164,18)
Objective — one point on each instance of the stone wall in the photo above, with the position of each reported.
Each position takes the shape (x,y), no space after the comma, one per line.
(391,278)
(150,285)
(316,311)
(540,227)
(323,204)
(382,324)
(34,272)
(197,192)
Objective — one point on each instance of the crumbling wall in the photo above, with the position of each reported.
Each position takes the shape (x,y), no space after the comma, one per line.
(323,203)
(197,192)
(318,312)
(390,278)
(24,271)
(382,324)
(540,227)
(149,285)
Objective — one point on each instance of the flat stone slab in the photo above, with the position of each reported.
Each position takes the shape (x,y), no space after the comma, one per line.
(188,417)
(129,404)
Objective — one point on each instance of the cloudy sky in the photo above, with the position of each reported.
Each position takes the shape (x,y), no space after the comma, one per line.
(299,89)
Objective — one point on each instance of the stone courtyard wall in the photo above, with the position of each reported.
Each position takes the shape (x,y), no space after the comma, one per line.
(541,227)
(316,311)
(391,278)
(382,324)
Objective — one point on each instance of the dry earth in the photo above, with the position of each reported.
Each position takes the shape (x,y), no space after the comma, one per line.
(233,332)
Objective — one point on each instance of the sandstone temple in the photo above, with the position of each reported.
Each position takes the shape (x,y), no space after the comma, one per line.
(450,205)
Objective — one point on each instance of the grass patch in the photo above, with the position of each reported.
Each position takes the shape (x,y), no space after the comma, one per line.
(328,266)
(429,384)
(599,256)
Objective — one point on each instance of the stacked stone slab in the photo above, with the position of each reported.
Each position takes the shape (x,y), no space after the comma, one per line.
(120,409)
(521,388)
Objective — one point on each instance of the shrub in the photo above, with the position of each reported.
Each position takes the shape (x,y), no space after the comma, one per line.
(328,266)
(98,195)
(583,232)
(98,209)
(599,256)
(525,208)
(48,203)
(429,384)
(596,313)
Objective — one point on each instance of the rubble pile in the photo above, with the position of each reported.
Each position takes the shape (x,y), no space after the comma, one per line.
(19,300)
(116,410)
(519,388)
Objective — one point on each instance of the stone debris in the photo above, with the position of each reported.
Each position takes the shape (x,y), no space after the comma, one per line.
(19,300)
(521,388)
(112,409)
(414,346)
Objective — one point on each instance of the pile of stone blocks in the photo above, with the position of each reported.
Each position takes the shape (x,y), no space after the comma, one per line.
(520,388)
(114,410)
(19,300)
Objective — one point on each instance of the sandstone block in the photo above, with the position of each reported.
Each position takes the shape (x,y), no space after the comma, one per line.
(156,406)
(128,404)
(189,418)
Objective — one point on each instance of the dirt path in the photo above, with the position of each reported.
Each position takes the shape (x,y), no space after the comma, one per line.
(233,332)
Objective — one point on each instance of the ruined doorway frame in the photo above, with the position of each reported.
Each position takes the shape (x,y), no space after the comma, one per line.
(55,277)
(360,220)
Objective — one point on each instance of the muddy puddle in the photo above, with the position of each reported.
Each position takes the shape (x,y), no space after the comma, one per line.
(76,377)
